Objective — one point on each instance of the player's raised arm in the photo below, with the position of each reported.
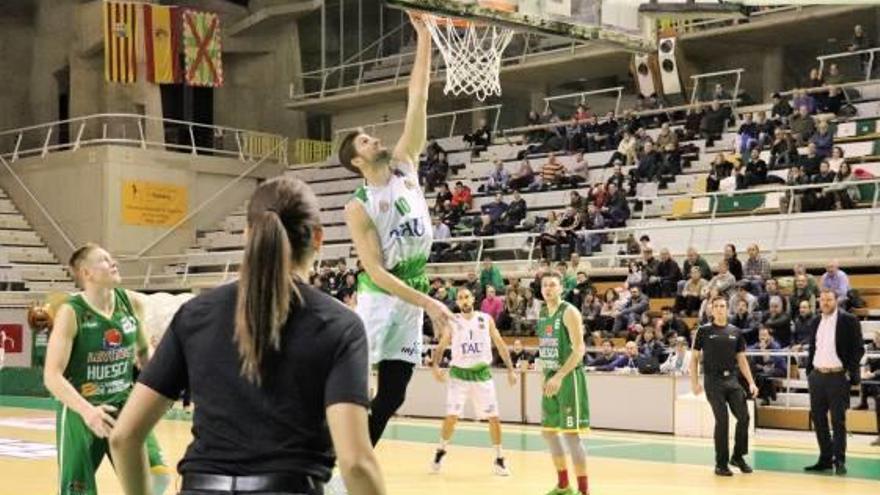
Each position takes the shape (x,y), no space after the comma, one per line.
(366,243)
(412,142)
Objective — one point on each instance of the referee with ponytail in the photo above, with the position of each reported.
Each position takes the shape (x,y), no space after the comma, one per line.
(278,371)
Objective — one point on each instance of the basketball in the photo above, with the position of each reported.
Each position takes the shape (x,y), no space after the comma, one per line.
(38,318)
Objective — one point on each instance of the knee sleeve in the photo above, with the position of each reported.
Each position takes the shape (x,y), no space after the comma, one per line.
(575,448)
(554,443)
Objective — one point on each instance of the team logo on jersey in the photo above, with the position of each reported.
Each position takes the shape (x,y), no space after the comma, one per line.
(129,325)
(384,206)
(548,330)
(402,206)
(112,339)
(88,389)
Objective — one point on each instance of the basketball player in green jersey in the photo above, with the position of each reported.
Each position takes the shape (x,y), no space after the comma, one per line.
(390,224)
(565,409)
(96,341)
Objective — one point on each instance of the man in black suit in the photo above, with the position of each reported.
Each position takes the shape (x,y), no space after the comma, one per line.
(836,349)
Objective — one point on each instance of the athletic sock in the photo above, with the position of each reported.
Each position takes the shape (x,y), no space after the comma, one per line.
(443,444)
(582,485)
(499,451)
(160,482)
(562,478)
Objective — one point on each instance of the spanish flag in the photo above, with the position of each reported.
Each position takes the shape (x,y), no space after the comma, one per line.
(120,52)
(162,41)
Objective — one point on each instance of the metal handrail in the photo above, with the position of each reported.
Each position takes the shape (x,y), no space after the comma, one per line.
(138,138)
(581,96)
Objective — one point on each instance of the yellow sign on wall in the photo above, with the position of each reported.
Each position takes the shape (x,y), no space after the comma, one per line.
(153,203)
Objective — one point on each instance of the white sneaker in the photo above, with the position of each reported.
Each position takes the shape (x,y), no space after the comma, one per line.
(500,467)
(437,463)
(336,486)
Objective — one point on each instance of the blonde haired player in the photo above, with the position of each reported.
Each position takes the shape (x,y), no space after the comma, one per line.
(471,338)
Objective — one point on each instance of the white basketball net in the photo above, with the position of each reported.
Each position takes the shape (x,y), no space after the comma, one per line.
(472,54)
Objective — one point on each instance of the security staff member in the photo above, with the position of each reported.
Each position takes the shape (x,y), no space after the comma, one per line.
(723,347)
(836,349)
(277,369)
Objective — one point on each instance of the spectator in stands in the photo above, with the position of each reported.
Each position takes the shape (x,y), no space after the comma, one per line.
(704,316)
(723,280)
(666,136)
(631,311)
(720,170)
(833,102)
(514,312)
(733,263)
(610,305)
(803,99)
(800,269)
(783,150)
(443,195)
(836,159)
(756,168)
(591,308)
(802,124)
(833,76)
(742,294)
(778,321)
(515,214)
(491,216)
(668,275)
(860,42)
(626,150)
(765,129)
(524,178)
(606,133)
(534,135)
(587,242)
(481,138)
(766,368)
(845,196)
(693,121)
(472,283)
(449,214)
(553,172)
(747,134)
(617,210)
(810,162)
(801,333)
(579,292)
(756,270)
(870,386)
(793,201)
(823,139)
(550,235)
(605,357)
(441,235)
(649,164)
(569,225)
(617,177)
(634,277)
(802,292)
(462,197)
(679,360)
(532,304)
(745,320)
(670,163)
(446,298)
(499,178)
(712,125)
(438,171)
(835,280)
(815,79)
(492,304)
(630,359)
(781,110)
(650,346)
(692,260)
(771,290)
(670,323)
(825,198)
(490,275)
(520,357)
(579,172)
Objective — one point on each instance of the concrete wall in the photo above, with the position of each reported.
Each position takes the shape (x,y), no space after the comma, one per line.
(82,191)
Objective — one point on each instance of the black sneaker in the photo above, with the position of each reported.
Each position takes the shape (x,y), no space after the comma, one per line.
(819,467)
(742,465)
(840,469)
(438,459)
(723,471)
(500,467)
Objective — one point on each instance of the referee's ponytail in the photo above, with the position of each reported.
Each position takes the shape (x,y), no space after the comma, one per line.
(282,221)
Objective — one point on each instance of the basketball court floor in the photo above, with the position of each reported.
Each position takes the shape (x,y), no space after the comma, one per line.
(620,464)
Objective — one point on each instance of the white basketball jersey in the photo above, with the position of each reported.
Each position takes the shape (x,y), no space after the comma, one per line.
(471,340)
(401,217)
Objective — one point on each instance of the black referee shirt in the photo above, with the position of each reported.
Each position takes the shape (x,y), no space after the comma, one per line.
(240,429)
(719,345)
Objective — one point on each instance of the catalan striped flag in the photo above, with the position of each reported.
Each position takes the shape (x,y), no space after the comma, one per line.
(202,48)
(120,49)
(162,43)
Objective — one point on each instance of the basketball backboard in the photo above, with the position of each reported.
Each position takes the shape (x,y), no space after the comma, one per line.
(629,24)
(616,22)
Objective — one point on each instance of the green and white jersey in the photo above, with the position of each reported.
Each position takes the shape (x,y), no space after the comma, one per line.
(403,222)
(471,341)
(554,343)
(101,365)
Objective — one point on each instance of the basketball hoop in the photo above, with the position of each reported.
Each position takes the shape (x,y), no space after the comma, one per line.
(472,52)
